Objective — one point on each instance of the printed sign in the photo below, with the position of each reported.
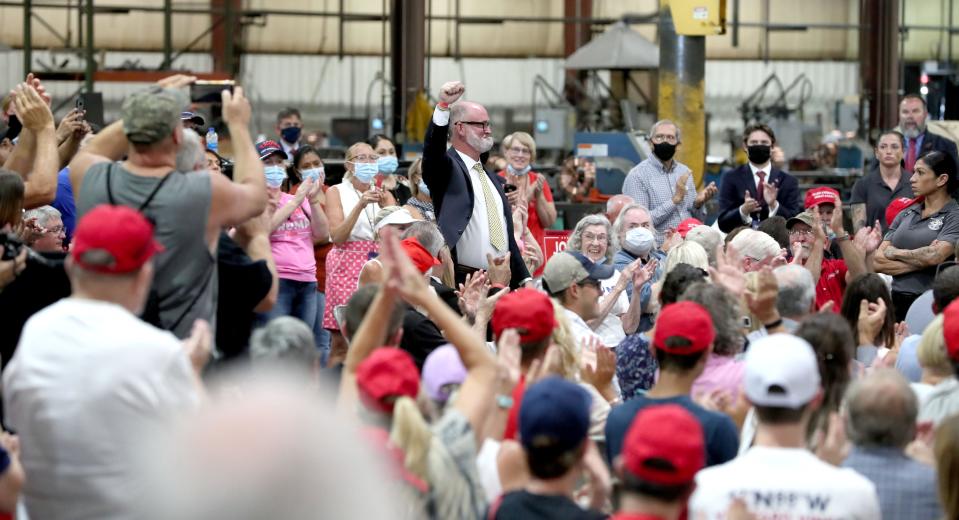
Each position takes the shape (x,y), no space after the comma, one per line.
(592,150)
(554,242)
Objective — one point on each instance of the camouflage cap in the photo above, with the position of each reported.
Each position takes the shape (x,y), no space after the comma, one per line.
(152,114)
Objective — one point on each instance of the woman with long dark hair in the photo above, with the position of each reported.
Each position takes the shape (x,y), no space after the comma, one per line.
(924,234)
(832,340)
(872,289)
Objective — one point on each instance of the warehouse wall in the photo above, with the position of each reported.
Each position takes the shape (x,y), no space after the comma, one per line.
(325,87)
(316,35)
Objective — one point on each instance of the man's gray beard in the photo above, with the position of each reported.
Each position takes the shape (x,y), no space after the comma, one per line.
(913,133)
(480,144)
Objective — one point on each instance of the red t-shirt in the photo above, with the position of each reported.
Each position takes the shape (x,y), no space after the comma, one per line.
(832,283)
(533,223)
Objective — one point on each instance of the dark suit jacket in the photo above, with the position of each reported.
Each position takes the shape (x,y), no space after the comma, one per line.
(734,184)
(932,142)
(452,193)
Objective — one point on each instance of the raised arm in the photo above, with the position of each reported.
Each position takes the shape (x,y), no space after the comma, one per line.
(40,186)
(245,197)
(476,393)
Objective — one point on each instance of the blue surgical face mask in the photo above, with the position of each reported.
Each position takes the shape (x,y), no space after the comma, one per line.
(364,172)
(423,188)
(524,171)
(387,164)
(275,175)
(317,174)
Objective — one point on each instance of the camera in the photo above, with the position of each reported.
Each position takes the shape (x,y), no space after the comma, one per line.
(12,246)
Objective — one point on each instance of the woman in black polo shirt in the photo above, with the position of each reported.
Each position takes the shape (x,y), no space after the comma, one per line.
(924,234)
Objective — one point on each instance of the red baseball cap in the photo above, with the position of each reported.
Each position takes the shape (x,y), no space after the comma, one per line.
(821,195)
(527,310)
(113,240)
(664,445)
(421,258)
(895,207)
(950,329)
(687,320)
(686,225)
(386,374)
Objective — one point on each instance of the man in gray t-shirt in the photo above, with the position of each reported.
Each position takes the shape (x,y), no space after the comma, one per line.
(188,210)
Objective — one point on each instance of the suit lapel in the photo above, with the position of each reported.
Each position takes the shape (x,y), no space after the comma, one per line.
(464,173)
(749,182)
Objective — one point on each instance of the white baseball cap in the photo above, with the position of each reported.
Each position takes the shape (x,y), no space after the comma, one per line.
(781,371)
(398,217)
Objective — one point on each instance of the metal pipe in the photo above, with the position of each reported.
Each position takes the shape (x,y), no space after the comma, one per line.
(27,37)
(167,34)
(681,89)
(91,64)
(735,23)
(456,33)
(354,17)
(229,43)
(949,38)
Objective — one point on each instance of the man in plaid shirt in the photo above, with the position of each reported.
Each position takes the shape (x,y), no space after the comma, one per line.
(664,185)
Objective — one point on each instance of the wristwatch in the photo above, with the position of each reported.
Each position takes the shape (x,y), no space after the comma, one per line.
(505,402)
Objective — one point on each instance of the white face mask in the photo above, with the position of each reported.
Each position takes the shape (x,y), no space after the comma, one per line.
(639,242)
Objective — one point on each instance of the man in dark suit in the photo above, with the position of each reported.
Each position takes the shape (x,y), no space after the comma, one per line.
(471,207)
(757,190)
(919,140)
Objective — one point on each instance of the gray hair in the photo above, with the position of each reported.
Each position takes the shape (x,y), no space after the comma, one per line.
(619,231)
(724,309)
(190,156)
(881,410)
(755,244)
(285,340)
(576,238)
(661,122)
(43,214)
(428,234)
(797,290)
(707,237)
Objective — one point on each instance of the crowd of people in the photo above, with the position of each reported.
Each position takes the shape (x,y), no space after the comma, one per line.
(194,335)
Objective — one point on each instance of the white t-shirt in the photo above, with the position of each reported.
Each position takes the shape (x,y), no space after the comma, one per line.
(784,483)
(87,380)
(611,328)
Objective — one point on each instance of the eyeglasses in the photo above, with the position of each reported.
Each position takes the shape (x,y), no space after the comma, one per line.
(485,125)
(365,158)
(589,282)
(589,237)
(520,151)
(659,138)
(799,233)
(54,230)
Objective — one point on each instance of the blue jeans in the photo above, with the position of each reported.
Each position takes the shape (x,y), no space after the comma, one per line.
(321,335)
(296,299)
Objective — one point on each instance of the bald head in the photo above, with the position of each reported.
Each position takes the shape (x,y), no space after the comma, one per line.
(615,204)
(881,410)
(470,131)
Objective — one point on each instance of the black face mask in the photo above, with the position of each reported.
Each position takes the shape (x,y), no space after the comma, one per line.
(758,153)
(664,151)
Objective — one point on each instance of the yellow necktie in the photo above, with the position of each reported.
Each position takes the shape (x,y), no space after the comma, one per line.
(497,236)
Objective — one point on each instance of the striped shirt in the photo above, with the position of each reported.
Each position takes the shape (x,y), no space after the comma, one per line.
(651,185)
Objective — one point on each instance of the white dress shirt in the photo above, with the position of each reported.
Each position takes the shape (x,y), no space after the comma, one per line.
(474,243)
(767,169)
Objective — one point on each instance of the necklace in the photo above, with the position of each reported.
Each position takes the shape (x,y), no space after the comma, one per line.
(366,209)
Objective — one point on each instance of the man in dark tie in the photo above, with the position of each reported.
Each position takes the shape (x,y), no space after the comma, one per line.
(757,190)
(919,140)
(471,207)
